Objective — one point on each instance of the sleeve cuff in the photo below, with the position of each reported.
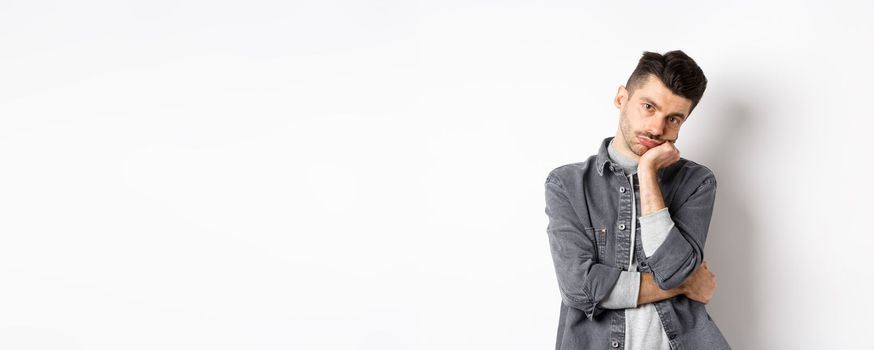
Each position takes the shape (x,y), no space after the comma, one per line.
(625,293)
(654,228)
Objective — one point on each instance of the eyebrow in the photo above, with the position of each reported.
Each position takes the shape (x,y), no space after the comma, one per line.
(650,101)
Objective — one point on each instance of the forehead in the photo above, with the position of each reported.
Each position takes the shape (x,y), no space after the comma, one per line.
(656,91)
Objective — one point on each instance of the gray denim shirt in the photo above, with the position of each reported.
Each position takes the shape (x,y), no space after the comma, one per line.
(589,209)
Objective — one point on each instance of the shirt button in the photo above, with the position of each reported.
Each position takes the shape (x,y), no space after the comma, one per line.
(643,264)
(621,226)
(615,343)
(622,189)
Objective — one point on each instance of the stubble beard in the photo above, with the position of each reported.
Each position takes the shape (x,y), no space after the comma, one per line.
(625,128)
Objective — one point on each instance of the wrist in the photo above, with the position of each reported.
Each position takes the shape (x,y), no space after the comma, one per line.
(645,168)
(682,289)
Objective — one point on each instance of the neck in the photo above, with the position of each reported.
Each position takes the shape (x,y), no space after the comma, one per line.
(628,165)
(622,146)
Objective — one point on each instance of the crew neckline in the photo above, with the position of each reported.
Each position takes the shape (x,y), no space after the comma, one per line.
(627,164)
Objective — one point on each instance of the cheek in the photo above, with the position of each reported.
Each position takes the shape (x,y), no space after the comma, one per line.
(636,123)
(628,124)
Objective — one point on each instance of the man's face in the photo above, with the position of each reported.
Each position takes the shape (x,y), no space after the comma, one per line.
(649,117)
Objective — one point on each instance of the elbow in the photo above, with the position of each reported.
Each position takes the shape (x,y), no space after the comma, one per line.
(583,302)
(674,261)
(667,283)
(674,277)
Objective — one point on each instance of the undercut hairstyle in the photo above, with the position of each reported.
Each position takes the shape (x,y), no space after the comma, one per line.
(675,69)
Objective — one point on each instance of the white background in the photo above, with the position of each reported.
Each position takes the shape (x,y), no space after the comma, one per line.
(369,175)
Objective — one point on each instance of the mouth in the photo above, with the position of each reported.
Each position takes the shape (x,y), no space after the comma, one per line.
(649,143)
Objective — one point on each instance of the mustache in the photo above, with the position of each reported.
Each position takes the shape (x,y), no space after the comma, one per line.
(651,136)
(655,138)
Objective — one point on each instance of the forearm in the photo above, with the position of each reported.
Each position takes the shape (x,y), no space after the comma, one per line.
(637,288)
(655,221)
(651,199)
(650,291)
(651,202)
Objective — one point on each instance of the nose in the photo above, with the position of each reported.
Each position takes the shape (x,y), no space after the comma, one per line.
(656,125)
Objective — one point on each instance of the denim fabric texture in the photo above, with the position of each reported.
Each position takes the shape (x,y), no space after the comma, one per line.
(589,209)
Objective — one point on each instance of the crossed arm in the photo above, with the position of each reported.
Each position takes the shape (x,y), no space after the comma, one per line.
(698,287)
(655,228)
(585,284)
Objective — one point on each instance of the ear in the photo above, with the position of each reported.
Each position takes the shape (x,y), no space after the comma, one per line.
(621,96)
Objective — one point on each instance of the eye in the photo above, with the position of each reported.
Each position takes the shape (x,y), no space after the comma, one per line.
(647,106)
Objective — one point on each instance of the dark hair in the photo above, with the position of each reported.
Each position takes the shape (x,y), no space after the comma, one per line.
(675,69)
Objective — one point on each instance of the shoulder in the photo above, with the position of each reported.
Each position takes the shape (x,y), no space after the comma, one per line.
(571,172)
(693,173)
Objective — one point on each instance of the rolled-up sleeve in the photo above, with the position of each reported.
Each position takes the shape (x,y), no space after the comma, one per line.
(682,249)
(583,283)
(625,293)
(654,228)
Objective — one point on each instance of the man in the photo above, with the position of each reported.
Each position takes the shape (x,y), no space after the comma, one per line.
(627,226)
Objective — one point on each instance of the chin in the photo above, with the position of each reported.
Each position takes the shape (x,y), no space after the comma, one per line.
(640,150)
